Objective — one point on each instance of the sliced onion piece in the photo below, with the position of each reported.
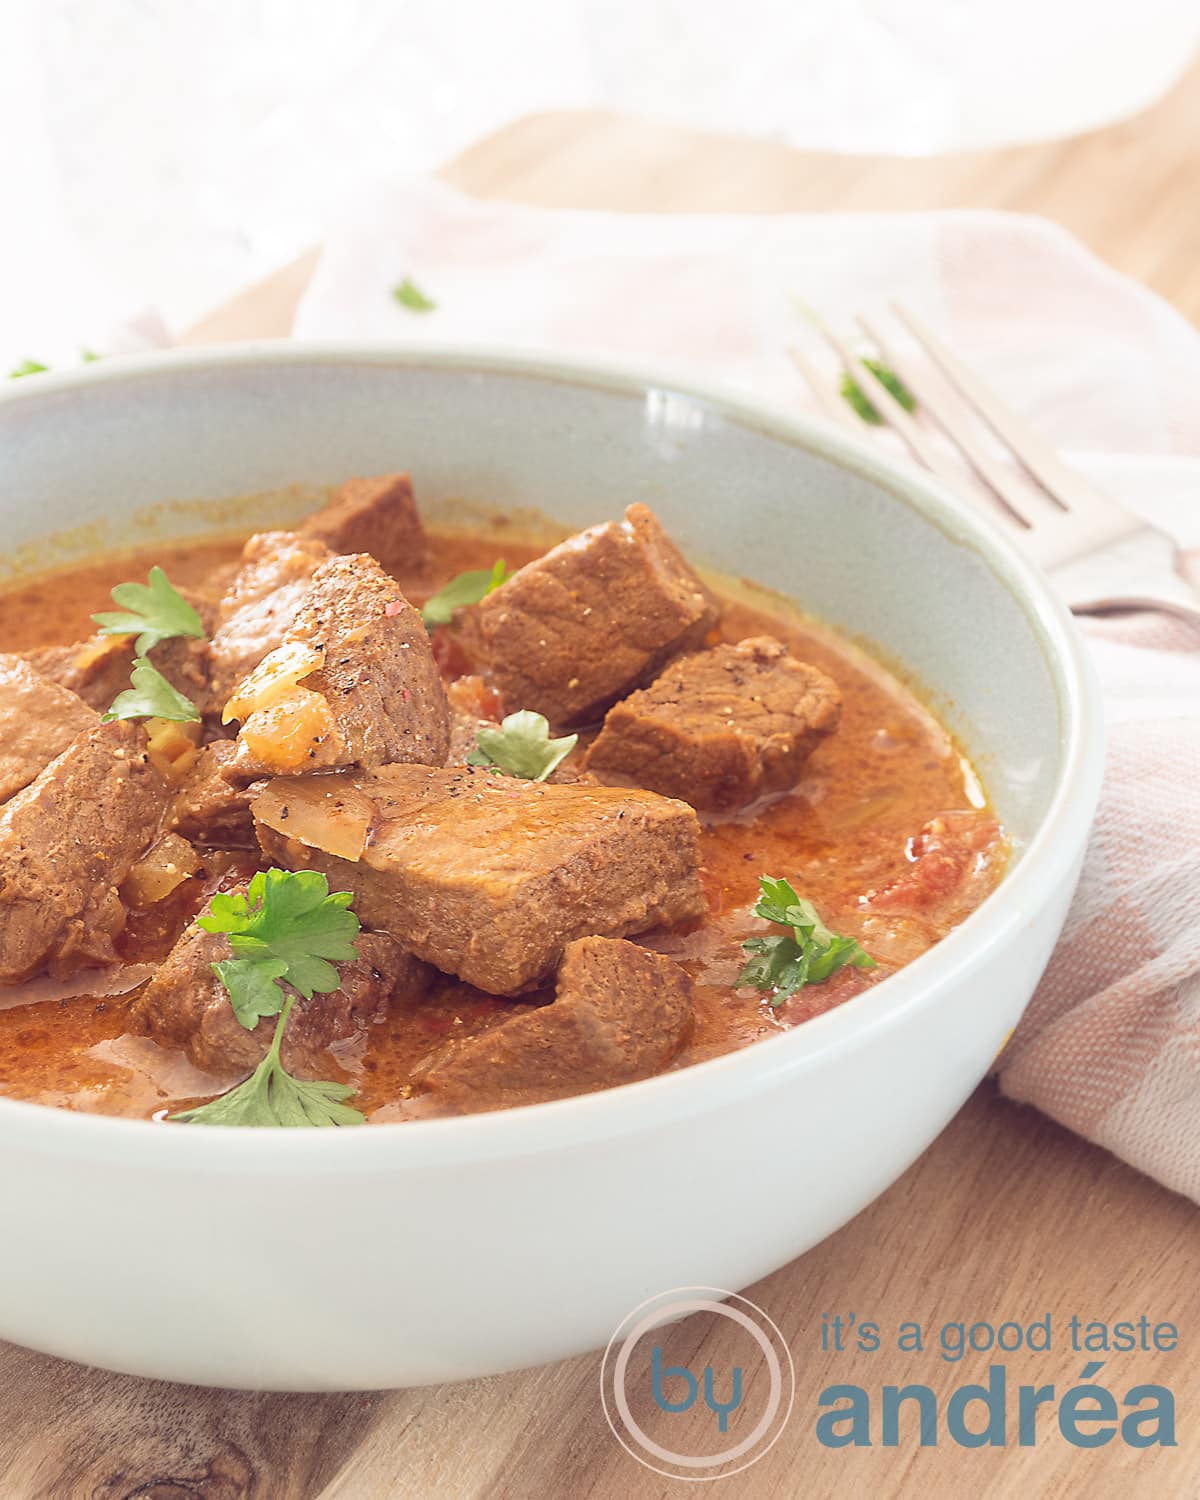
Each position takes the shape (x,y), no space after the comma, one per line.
(276,676)
(294,733)
(321,812)
(164,866)
(173,747)
(97,983)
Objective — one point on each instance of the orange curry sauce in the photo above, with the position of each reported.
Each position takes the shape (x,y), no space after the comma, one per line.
(851,827)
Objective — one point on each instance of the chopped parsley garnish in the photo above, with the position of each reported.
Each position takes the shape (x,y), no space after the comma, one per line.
(466,588)
(289,928)
(862,403)
(809,954)
(35,366)
(151,697)
(408,294)
(521,747)
(271,1096)
(286,923)
(155,611)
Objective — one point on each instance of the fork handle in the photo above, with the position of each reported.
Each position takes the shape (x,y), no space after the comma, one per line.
(1165,600)
(1137,572)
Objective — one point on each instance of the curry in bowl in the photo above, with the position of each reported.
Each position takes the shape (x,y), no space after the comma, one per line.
(362,822)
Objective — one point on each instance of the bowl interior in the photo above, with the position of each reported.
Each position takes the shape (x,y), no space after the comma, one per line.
(124,453)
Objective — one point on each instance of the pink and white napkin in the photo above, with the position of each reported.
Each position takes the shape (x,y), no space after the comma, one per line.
(1110,1045)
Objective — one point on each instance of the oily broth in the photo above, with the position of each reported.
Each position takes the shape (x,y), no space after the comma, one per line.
(55,608)
(844,830)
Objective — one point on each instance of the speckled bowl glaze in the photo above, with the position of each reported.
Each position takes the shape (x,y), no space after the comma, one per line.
(438,1250)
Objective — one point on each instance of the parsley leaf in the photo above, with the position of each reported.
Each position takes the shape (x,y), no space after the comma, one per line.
(466,588)
(250,985)
(271,1096)
(151,697)
(35,366)
(156,611)
(408,294)
(810,954)
(521,747)
(287,926)
(862,403)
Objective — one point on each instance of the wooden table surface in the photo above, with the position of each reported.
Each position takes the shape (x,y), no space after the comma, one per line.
(1006,1217)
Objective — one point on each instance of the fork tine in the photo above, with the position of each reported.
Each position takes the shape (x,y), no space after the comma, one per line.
(828,400)
(957,427)
(1080,510)
(888,407)
(1035,455)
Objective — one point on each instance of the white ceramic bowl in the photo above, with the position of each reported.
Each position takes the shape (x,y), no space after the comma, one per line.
(402,1254)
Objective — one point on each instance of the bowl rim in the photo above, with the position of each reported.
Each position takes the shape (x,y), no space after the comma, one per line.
(1046,863)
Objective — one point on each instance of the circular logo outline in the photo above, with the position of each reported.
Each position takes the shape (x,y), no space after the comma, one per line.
(663,1311)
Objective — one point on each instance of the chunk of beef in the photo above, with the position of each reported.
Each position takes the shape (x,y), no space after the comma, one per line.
(185,1005)
(721,728)
(38,720)
(593,618)
(209,810)
(620,1013)
(485,876)
(66,843)
(97,669)
(185,663)
(464,731)
(378,516)
(259,606)
(353,685)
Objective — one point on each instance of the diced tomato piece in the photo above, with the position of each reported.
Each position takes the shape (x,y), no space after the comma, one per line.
(471,695)
(449,653)
(945,851)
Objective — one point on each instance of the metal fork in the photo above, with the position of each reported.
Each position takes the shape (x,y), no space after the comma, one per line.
(1100,556)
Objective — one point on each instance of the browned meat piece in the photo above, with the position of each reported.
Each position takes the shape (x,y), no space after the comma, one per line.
(722,727)
(599,614)
(185,1005)
(378,516)
(353,685)
(184,662)
(38,720)
(97,669)
(207,809)
(259,606)
(473,706)
(485,876)
(66,843)
(464,727)
(621,1013)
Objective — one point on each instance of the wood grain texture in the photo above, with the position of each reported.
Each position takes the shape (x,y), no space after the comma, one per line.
(67,1431)
(1129,191)
(1005,1217)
